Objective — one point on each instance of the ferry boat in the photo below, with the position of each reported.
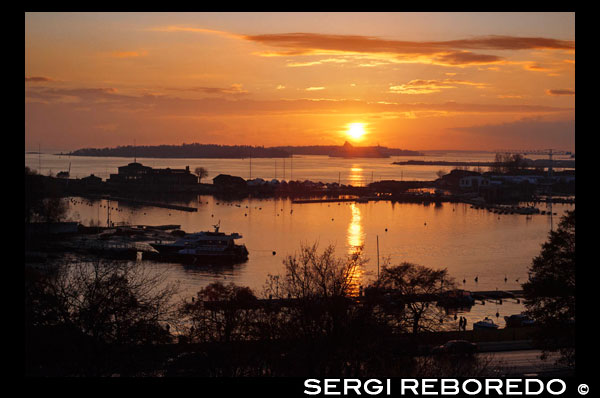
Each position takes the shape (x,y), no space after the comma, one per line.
(204,247)
(486,323)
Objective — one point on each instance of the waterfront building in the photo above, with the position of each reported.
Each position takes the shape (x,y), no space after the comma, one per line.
(136,173)
(226,180)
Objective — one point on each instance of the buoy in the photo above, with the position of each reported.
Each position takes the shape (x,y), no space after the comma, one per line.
(497,314)
(476,278)
(386,230)
(274,252)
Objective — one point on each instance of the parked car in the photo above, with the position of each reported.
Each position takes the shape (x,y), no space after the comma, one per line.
(455,347)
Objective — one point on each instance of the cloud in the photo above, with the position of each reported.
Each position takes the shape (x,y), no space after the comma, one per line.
(420,86)
(536,67)
(37,79)
(314,88)
(448,53)
(320,62)
(232,89)
(453,52)
(524,133)
(466,58)
(110,101)
(495,42)
(565,91)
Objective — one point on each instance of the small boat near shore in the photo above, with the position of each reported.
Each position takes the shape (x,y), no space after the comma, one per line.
(203,247)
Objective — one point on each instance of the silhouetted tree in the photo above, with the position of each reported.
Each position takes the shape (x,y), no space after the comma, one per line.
(111,302)
(201,172)
(220,313)
(550,290)
(41,201)
(404,284)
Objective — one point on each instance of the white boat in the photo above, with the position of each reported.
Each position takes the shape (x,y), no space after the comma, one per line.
(204,246)
(486,323)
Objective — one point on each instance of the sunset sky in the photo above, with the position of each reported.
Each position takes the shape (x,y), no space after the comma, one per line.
(417,81)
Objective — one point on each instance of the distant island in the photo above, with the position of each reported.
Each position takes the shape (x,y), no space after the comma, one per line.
(566,164)
(241,151)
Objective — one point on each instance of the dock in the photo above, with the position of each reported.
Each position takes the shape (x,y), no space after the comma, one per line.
(144,202)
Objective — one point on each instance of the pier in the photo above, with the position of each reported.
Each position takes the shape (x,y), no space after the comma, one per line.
(144,202)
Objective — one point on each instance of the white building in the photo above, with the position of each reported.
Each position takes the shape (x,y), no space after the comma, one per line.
(473,182)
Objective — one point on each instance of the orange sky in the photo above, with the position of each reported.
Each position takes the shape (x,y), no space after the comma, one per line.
(416,81)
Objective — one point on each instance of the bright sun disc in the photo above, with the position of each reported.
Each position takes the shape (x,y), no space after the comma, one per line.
(356,130)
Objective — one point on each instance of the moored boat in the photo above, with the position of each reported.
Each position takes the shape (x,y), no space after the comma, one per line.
(486,323)
(203,247)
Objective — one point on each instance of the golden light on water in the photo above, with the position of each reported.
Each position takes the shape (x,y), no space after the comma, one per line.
(355,178)
(355,230)
(356,239)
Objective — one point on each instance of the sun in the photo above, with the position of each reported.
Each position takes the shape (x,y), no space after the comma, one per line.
(356,131)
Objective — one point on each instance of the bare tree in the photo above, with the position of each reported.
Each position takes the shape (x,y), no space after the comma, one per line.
(112,302)
(309,274)
(413,287)
(220,313)
(201,172)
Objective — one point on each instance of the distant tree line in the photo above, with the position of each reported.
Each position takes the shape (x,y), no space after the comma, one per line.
(218,151)
(185,151)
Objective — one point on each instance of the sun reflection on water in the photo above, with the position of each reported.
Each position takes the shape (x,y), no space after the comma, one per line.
(356,235)
(356,239)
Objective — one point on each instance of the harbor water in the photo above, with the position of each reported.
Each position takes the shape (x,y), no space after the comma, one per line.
(470,243)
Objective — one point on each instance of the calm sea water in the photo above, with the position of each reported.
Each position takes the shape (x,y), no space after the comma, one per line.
(316,168)
(468,242)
